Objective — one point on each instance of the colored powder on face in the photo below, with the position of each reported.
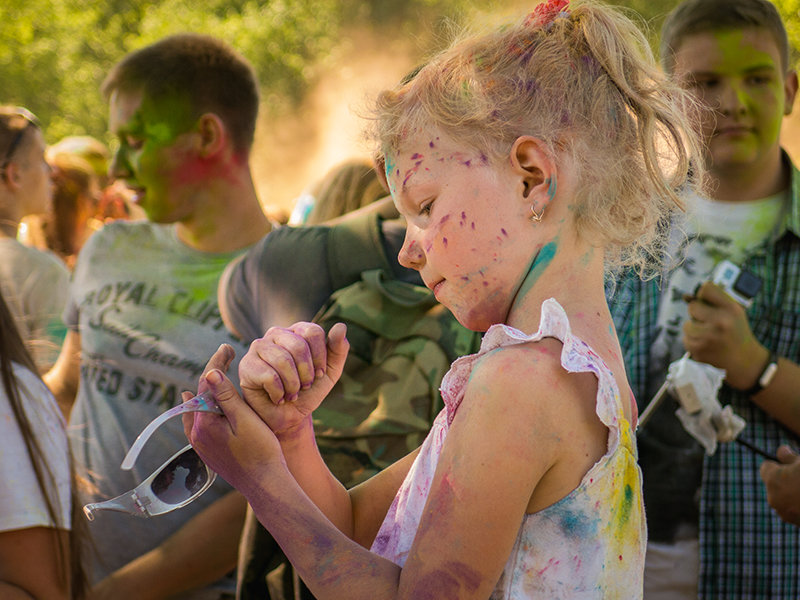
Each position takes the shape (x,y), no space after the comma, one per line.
(552,187)
(388,168)
(411,172)
(160,133)
(736,51)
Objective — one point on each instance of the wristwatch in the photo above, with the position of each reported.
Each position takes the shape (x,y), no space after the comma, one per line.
(767,375)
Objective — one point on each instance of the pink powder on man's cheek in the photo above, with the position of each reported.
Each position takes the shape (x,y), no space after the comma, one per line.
(193,171)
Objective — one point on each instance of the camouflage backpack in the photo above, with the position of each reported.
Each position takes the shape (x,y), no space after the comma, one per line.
(402,342)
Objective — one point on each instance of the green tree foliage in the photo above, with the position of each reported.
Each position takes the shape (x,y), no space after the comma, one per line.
(55,53)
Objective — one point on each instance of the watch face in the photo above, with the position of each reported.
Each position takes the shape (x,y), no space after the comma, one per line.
(747,284)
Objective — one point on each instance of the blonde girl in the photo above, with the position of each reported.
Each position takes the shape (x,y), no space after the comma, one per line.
(526,161)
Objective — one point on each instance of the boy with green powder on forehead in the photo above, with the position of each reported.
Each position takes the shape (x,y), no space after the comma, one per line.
(142,309)
(712,533)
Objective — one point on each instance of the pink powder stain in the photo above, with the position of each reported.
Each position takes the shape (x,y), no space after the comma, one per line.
(552,562)
(444,242)
(472,225)
(444,219)
(194,171)
(412,171)
(504,232)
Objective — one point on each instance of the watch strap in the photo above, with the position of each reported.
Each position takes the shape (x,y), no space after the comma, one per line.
(766,376)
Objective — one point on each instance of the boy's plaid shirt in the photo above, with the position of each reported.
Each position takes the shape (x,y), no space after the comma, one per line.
(746,552)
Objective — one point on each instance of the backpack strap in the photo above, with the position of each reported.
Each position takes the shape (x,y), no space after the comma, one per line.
(355,246)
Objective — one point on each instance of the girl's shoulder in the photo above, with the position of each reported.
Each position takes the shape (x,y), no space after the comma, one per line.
(541,365)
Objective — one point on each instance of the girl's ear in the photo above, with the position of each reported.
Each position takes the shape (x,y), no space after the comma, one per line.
(533,165)
(213,134)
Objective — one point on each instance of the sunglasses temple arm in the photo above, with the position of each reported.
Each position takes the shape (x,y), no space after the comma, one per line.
(123,503)
(201,403)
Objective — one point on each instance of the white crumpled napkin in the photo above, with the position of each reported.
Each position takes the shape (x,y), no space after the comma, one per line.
(695,385)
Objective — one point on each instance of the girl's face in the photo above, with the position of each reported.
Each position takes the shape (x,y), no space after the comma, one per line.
(36,177)
(468,229)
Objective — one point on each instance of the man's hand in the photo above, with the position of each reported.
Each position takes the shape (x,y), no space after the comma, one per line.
(783,484)
(719,334)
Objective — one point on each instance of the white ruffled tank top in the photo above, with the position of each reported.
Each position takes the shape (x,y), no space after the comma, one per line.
(589,544)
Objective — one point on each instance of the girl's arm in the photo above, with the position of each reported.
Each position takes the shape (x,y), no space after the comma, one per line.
(31,566)
(507,438)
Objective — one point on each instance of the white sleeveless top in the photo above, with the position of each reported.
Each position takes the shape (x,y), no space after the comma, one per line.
(589,544)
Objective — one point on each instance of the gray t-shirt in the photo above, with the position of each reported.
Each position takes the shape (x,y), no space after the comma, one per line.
(146,308)
(288,275)
(34,284)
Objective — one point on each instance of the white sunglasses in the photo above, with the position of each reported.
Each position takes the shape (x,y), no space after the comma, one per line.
(176,483)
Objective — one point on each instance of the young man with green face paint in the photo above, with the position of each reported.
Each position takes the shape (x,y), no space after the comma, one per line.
(143,313)
(712,532)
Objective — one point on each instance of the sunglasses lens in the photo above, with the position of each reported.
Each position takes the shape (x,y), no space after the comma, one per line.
(182,478)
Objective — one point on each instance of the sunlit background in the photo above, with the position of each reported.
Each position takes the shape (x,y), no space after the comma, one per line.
(319,63)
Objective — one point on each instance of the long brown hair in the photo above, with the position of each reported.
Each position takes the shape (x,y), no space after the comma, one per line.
(12,350)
